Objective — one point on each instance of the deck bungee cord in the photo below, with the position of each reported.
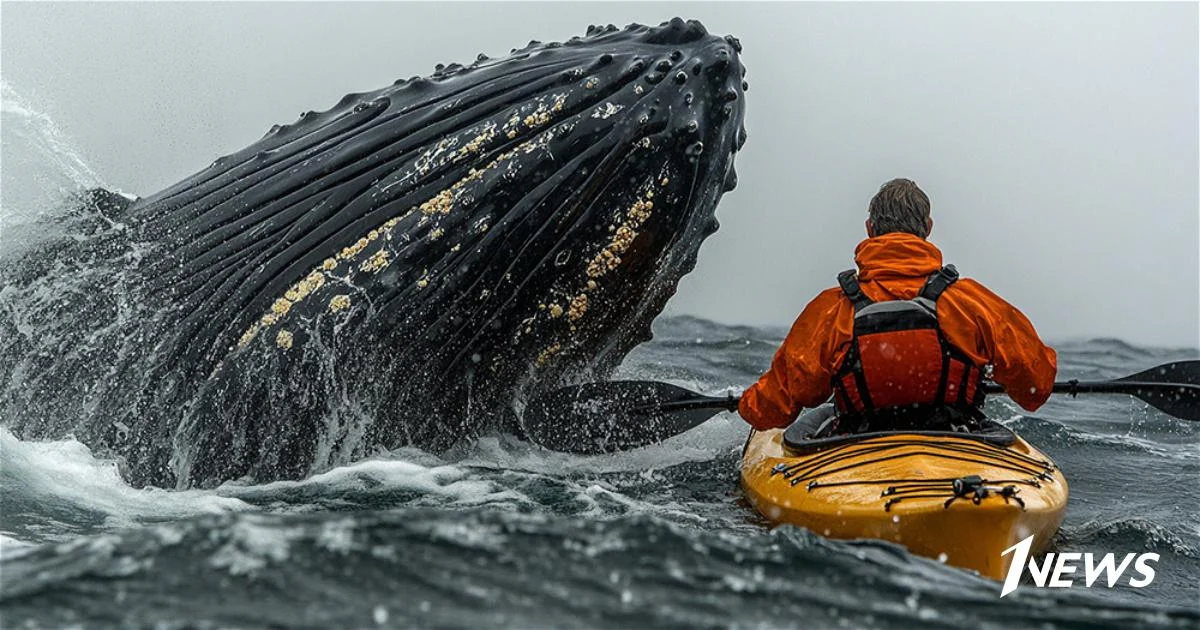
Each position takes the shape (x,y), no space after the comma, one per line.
(863,455)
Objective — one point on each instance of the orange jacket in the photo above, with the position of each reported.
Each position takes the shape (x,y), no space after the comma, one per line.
(895,266)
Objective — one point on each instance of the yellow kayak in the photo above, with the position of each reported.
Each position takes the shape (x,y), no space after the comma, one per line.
(962,498)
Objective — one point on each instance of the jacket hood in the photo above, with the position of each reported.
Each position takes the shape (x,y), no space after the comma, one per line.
(896,255)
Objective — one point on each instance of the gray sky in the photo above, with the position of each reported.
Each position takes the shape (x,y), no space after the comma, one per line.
(1058,142)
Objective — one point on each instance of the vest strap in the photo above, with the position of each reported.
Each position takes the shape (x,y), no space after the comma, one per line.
(848,280)
(938,282)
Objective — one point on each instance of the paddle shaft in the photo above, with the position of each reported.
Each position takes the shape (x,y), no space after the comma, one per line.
(1072,387)
(700,402)
(1132,388)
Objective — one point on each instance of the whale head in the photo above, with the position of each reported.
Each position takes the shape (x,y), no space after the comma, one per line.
(411,265)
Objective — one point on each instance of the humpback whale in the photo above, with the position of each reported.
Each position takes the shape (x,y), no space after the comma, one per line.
(405,268)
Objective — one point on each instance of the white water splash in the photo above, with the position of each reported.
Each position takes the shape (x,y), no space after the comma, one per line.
(701,444)
(439,484)
(42,168)
(64,474)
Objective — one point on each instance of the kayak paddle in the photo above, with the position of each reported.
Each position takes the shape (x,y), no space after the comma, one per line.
(616,415)
(1172,388)
(606,417)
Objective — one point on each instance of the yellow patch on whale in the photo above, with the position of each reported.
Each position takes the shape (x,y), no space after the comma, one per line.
(440,203)
(249,335)
(339,302)
(350,252)
(609,258)
(376,262)
(579,306)
(548,353)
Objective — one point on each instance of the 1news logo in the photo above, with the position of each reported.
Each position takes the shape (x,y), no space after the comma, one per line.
(1056,567)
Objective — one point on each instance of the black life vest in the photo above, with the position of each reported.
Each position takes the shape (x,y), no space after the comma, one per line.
(900,371)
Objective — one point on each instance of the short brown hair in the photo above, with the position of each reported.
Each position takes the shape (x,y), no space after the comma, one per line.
(900,206)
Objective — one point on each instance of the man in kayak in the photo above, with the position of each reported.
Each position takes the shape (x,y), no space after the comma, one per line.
(902,343)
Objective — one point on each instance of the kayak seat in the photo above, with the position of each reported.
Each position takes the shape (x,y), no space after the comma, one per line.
(811,432)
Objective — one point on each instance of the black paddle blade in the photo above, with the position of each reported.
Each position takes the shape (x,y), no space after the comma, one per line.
(1173,388)
(613,416)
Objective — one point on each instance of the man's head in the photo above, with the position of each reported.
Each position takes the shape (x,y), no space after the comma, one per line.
(899,206)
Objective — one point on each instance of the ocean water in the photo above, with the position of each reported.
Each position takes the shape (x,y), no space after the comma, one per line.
(500,533)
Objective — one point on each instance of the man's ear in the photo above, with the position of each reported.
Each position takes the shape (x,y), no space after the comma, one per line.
(870,229)
(928,227)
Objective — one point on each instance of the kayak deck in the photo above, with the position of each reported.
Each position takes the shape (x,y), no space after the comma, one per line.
(960,500)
